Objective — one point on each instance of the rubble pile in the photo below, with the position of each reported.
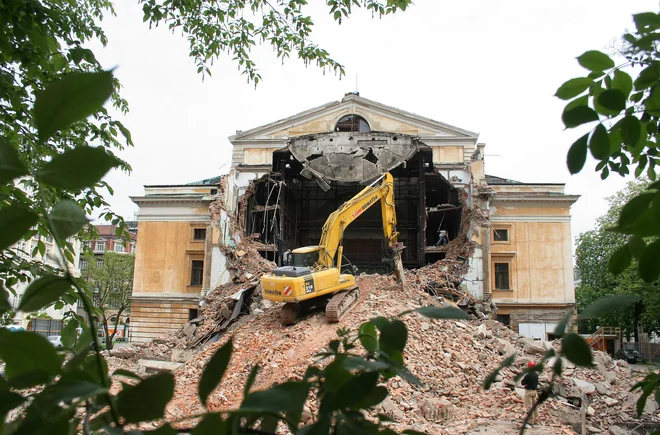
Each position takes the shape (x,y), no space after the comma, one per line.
(452,358)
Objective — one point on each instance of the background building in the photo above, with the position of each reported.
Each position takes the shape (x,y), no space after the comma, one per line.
(299,169)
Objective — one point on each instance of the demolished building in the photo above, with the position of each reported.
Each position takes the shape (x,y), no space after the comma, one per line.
(288,176)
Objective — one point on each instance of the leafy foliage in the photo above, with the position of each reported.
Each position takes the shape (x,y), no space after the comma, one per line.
(625,115)
(611,279)
(235,27)
(110,281)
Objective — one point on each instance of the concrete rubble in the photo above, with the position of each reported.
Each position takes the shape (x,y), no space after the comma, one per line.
(452,358)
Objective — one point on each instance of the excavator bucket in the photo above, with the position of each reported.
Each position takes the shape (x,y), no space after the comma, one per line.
(398,270)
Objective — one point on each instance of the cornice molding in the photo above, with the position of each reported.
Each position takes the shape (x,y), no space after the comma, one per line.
(549,200)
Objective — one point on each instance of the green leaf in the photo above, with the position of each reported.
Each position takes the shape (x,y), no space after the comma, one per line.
(612,99)
(561,326)
(66,219)
(286,397)
(623,82)
(648,77)
(166,429)
(78,168)
(70,99)
(354,391)
(631,130)
(15,221)
(573,88)
(126,373)
(368,337)
(211,424)
(594,60)
(8,401)
(599,143)
(649,262)
(576,350)
(578,115)
(11,166)
(26,351)
(637,246)
(43,292)
(393,336)
(214,371)
(250,380)
(29,379)
(434,312)
(608,304)
(72,385)
(577,155)
(147,400)
(635,207)
(620,260)
(69,333)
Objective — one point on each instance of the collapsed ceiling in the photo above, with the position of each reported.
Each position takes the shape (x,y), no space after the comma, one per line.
(351,156)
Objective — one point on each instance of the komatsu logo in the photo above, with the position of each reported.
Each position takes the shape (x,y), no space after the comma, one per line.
(365,206)
(272,292)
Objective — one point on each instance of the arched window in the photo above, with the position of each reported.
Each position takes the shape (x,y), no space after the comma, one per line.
(353,123)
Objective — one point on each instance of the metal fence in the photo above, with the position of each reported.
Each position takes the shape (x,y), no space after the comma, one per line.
(649,351)
(46,327)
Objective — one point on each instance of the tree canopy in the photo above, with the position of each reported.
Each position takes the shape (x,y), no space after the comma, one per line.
(593,250)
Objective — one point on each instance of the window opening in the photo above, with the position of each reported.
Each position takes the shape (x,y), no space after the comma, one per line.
(504,319)
(353,123)
(100,246)
(501,235)
(197,272)
(199,234)
(119,247)
(192,314)
(502,276)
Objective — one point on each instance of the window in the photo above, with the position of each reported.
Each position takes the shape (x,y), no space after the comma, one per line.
(502,276)
(99,262)
(501,235)
(353,123)
(49,238)
(133,247)
(192,314)
(119,247)
(83,264)
(199,234)
(48,252)
(504,319)
(100,246)
(23,249)
(197,272)
(86,245)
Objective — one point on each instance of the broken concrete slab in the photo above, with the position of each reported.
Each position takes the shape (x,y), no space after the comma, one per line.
(149,365)
(181,355)
(584,386)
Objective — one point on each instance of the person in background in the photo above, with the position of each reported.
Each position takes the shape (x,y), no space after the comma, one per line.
(443,239)
(531,382)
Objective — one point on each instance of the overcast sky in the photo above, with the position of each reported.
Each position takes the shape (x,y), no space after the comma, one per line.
(487,66)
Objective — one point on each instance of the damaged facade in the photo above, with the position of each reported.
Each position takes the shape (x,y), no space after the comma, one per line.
(510,241)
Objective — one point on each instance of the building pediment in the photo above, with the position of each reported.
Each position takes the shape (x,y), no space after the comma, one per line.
(381,118)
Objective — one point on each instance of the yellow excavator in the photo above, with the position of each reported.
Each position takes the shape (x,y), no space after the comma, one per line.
(313,276)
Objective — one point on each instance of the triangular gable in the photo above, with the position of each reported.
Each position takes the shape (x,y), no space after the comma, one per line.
(384,118)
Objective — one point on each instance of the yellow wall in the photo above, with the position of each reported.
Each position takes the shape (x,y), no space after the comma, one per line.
(258,156)
(536,251)
(448,154)
(163,257)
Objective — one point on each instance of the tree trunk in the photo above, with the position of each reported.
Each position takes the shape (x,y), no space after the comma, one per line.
(636,316)
(108,341)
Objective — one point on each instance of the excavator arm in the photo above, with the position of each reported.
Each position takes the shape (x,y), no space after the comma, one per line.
(330,245)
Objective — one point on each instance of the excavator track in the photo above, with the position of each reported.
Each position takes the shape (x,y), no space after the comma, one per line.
(289,313)
(341,303)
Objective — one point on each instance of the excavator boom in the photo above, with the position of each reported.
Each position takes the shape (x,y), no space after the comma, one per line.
(315,273)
